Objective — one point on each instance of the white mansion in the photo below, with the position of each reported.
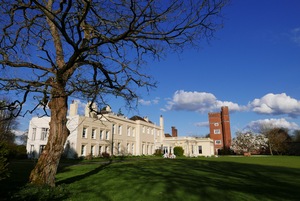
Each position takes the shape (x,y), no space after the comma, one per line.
(114,134)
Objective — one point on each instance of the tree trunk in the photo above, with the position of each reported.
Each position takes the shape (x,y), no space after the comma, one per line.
(45,170)
(270,148)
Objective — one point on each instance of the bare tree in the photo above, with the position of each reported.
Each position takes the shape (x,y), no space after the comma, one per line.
(50,50)
(8,123)
(278,139)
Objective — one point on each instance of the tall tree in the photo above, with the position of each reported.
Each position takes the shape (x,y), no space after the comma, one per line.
(278,139)
(50,50)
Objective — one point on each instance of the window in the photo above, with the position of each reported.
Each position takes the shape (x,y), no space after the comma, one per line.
(132,148)
(165,150)
(216,124)
(200,149)
(32,152)
(84,132)
(92,150)
(44,133)
(93,133)
(144,129)
(217,131)
(107,135)
(100,151)
(133,132)
(128,148)
(148,130)
(113,129)
(31,148)
(218,142)
(33,133)
(42,147)
(120,130)
(119,148)
(82,150)
(128,131)
(101,134)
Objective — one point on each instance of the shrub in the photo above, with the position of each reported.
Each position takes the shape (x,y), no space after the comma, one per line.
(158,152)
(178,151)
(105,155)
(89,157)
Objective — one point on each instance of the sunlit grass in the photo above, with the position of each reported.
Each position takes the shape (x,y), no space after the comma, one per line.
(151,178)
(223,178)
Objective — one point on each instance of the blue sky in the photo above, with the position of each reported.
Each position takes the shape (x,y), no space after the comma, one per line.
(252,66)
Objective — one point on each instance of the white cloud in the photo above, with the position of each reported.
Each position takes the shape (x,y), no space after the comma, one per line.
(202,124)
(199,102)
(271,123)
(276,104)
(149,102)
(295,35)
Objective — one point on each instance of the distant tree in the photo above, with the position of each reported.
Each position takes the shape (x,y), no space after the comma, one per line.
(50,50)
(4,152)
(248,142)
(8,123)
(278,139)
(296,136)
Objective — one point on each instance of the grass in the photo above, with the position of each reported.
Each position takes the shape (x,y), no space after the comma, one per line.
(223,178)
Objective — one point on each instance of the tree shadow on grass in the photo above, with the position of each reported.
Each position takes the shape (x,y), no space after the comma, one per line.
(210,180)
(185,179)
(85,175)
(255,181)
(19,175)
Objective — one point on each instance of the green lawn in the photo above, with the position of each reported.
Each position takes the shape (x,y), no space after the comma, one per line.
(222,178)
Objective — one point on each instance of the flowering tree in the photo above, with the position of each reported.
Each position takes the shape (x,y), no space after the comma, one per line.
(248,142)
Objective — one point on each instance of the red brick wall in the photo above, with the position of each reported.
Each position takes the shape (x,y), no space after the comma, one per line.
(219,128)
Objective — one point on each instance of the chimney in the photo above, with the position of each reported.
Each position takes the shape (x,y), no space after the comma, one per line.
(174,131)
(73,108)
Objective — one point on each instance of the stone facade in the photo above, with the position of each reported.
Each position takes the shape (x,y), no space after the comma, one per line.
(114,134)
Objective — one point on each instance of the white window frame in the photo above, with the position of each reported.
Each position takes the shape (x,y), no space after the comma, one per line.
(120,129)
(33,133)
(84,132)
(101,134)
(94,133)
(44,133)
(107,135)
(200,149)
(128,130)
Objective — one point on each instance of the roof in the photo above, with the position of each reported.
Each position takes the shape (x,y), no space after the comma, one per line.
(136,118)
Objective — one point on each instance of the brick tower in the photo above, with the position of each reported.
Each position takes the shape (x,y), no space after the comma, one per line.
(219,129)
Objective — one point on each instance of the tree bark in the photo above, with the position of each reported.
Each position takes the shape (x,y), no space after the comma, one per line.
(46,167)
